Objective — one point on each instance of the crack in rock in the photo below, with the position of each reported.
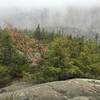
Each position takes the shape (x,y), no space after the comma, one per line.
(66,98)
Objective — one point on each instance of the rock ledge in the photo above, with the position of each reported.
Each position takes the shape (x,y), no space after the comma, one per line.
(76,89)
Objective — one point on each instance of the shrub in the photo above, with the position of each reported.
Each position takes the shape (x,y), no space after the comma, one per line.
(5,78)
(34,78)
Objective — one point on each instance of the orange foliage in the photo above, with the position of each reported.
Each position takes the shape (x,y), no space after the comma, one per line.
(26,45)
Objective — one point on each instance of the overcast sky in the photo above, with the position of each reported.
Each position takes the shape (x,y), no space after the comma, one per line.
(46,3)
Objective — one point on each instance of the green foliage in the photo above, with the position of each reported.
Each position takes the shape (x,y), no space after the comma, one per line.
(33,77)
(12,62)
(37,33)
(5,48)
(19,59)
(5,78)
(69,57)
(51,73)
(42,35)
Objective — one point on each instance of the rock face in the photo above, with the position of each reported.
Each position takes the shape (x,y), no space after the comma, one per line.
(76,89)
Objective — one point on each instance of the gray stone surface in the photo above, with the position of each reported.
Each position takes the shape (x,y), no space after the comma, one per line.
(76,89)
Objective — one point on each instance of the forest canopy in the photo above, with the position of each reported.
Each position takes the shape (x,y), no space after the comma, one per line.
(65,56)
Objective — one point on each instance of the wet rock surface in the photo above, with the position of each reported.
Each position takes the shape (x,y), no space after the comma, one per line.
(76,89)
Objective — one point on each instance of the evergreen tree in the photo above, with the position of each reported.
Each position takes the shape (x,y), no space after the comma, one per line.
(37,33)
(5,48)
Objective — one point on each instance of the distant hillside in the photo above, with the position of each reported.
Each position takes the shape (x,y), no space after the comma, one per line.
(70,20)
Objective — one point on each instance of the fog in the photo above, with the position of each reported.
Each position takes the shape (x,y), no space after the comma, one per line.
(29,4)
(71,16)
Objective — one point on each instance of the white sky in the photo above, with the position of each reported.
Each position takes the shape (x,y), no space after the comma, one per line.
(46,3)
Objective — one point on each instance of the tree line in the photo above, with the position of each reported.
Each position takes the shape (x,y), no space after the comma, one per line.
(67,57)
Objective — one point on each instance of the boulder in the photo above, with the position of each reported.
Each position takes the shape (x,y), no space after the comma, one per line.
(75,89)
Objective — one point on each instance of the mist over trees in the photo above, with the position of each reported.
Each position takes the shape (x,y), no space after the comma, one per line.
(71,20)
(49,44)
